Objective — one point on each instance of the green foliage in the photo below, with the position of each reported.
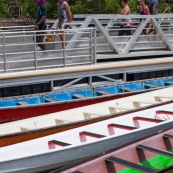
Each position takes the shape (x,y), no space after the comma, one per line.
(79,7)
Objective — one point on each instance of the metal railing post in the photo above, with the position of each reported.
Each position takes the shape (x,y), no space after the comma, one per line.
(95,46)
(35,51)
(124,77)
(24,41)
(4,49)
(52,86)
(91,45)
(64,50)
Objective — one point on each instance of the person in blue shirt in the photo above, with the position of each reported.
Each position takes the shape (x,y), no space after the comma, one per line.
(153,7)
(41,23)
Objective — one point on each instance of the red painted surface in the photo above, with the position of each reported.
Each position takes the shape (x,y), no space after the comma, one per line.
(164,112)
(17,113)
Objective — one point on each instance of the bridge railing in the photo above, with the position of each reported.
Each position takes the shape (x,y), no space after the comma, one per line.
(19,50)
(92,38)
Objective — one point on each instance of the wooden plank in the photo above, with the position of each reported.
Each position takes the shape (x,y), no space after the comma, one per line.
(152,85)
(62,121)
(91,134)
(136,104)
(114,109)
(22,103)
(104,92)
(79,96)
(51,100)
(111,160)
(158,98)
(154,150)
(170,83)
(88,115)
(23,129)
(127,89)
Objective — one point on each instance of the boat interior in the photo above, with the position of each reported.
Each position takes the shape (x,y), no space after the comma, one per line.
(152,155)
(85,93)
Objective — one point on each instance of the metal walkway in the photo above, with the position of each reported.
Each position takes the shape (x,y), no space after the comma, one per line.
(93,38)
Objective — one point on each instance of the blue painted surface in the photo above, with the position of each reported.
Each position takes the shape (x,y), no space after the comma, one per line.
(69,95)
(63,96)
(13,102)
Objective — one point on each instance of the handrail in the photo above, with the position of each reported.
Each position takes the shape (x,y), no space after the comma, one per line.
(79,70)
(94,38)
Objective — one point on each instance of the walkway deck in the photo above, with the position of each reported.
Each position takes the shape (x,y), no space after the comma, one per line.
(93,38)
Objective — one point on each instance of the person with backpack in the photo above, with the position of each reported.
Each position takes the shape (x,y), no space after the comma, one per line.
(41,23)
(65,16)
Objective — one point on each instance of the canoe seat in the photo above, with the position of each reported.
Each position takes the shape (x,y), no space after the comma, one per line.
(127,89)
(170,83)
(22,103)
(78,96)
(89,115)
(62,121)
(168,136)
(139,104)
(114,109)
(94,135)
(111,160)
(23,129)
(104,93)
(147,119)
(55,142)
(164,112)
(159,98)
(122,126)
(152,85)
(154,150)
(51,100)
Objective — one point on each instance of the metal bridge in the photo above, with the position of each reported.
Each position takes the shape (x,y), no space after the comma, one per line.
(94,38)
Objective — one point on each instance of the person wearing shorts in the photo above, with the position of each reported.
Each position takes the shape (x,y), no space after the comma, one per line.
(65,16)
(144,11)
(126,24)
(41,23)
(153,7)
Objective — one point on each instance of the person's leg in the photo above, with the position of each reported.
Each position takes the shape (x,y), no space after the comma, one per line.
(40,37)
(42,45)
(121,31)
(128,30)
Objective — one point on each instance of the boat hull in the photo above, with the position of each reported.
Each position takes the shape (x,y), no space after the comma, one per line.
(14,138)
(46,162)
(21,112)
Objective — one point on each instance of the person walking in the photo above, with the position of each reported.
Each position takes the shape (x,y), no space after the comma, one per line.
(41,23)
(126,24)
(153,7)
(65,16)
(144,10)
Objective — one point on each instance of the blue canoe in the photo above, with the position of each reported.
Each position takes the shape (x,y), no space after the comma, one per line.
(26,106)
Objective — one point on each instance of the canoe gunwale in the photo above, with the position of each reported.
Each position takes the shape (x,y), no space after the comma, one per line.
(61,157)
(89,121)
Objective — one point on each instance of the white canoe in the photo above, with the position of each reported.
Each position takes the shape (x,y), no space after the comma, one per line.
(89,112)
(56,150)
